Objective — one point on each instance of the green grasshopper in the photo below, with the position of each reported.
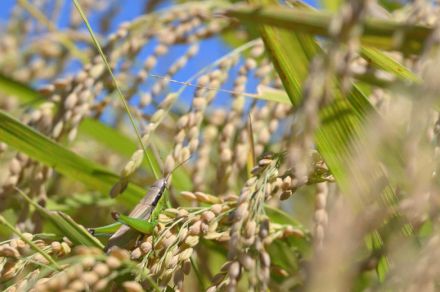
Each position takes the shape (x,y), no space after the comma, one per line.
(141,220)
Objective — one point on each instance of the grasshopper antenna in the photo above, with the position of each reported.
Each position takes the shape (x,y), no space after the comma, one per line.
(177,166)
(158,157)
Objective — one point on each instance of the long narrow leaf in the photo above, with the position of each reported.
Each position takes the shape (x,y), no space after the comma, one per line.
(375,57)
(388,64)
(95,130)
(124,145)
(46,151)
(377,33)
(341,120)
(66,226)
(9,86)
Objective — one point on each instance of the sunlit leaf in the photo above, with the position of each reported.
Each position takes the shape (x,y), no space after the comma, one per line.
(377,33)
(46,151)
(66,226)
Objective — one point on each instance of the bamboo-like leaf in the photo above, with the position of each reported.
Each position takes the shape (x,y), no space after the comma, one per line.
(331,5)
(377,33)
(341,120)
(375,57)
(125,146)
(284,252)
(280,217)
(96,130)
(339,126)
(109,137)
(65,225)
(26,94)
(388,64)
(76,232)
(46,151)
(272,94)
(114,140)
(72,203)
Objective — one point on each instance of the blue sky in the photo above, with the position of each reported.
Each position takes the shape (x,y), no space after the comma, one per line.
(210,50)
(129,10)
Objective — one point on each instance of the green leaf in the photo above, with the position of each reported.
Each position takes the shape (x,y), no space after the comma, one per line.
(11,87)
(388,64)
(280,217)
(272,94)
(341,120)
(286,253)
(77,233)
(426,229)
(377,33)
(331,5)
(111,138)
(286,256)
(124,145)
(46,151)
(74,202)
(105,135)
(375,57)
(65,225)
(391,5)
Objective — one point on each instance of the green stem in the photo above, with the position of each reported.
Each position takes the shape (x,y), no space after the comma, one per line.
(198,275)
(118,89)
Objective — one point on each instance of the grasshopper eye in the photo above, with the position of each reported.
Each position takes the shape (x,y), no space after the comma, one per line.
(115,215)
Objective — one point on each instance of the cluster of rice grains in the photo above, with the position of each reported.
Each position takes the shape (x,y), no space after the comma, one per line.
(218,139)
(18,258)
(81,269)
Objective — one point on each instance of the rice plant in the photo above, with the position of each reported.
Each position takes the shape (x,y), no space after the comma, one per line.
(219,146)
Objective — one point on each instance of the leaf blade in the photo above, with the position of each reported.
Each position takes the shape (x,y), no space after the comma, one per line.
(46,151)
(378,33)
(65,225)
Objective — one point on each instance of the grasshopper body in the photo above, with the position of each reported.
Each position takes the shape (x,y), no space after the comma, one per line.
(141,220)
(126,236)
